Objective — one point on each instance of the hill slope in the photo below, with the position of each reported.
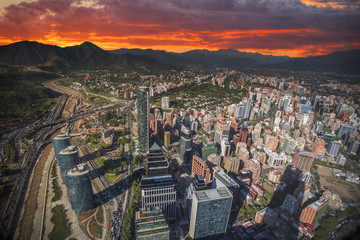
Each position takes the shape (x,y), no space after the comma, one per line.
(84,56)
(228,58)
(341,62)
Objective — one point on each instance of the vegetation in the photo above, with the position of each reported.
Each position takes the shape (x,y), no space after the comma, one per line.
(61,229)
(10,153)
(251,210)
(346,167)
(328,223)
(351,231)
(95,228)
(99,215)
(128,224)
(22,96)
(57,191)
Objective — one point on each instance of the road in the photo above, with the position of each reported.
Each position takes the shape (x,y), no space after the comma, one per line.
(342,224)
(45,127)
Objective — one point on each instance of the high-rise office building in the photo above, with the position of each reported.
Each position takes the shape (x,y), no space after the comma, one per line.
(185,144)
(290,204)
(67,159)
(167,138)
(151,225)
(158,189)
(79,188)
(208,148)
(344,129)
(333,148)
(60,142)
(354,147)
(210,213)
(247,111)
(222,131)
(143,118)
(303,160)
(156,163)
(221,179)
(314,211)
(165,102)
(200,168)
(225,148)
(284,102)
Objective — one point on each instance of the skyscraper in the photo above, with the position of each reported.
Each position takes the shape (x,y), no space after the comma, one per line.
(158,189)
(67,159)
(60,142)
(151,225)
(210,213)
(333,148)
(314,211)
(200,168)
(143,118)
(247,103)
(303,160)
(79,188)
(185,144)
(208,148)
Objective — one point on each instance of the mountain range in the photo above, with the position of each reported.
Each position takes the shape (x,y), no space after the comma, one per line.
(84,56)
(89,56)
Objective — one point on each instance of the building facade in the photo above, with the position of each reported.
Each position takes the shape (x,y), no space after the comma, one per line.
(67,159)
(185,144)
(143,109)
(314,211)
(208,148)
(79,188)
(303,160)
(151,225)
(210,213)
(200,168)
(60,142)
(158,188)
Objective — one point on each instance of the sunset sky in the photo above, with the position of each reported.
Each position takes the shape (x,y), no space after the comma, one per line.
(278,27)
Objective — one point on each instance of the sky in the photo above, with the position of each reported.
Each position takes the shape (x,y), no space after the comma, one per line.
(295,28)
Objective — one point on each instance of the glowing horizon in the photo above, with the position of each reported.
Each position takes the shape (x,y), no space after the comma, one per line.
(283,27)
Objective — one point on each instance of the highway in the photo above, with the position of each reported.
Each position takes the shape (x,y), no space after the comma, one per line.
(45,127)
(11,213)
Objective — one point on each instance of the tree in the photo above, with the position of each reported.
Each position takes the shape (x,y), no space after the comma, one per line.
(123,164)
(123,140)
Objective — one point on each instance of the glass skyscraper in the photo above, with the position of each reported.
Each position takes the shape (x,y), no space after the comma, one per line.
(60,142)
(79,188)
(208,148)
(185,144)
(143,118)
(158,189)
(67,158)
(210,213)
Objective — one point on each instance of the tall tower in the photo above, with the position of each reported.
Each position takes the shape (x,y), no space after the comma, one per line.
(210,213)
(79,188)
(143,118)
(67,158)
(158,189)
(185,144)
(60,142)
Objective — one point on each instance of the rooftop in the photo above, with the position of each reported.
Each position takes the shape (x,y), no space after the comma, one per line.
(69,150)
(62,136)
(78,170)
(212,194)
